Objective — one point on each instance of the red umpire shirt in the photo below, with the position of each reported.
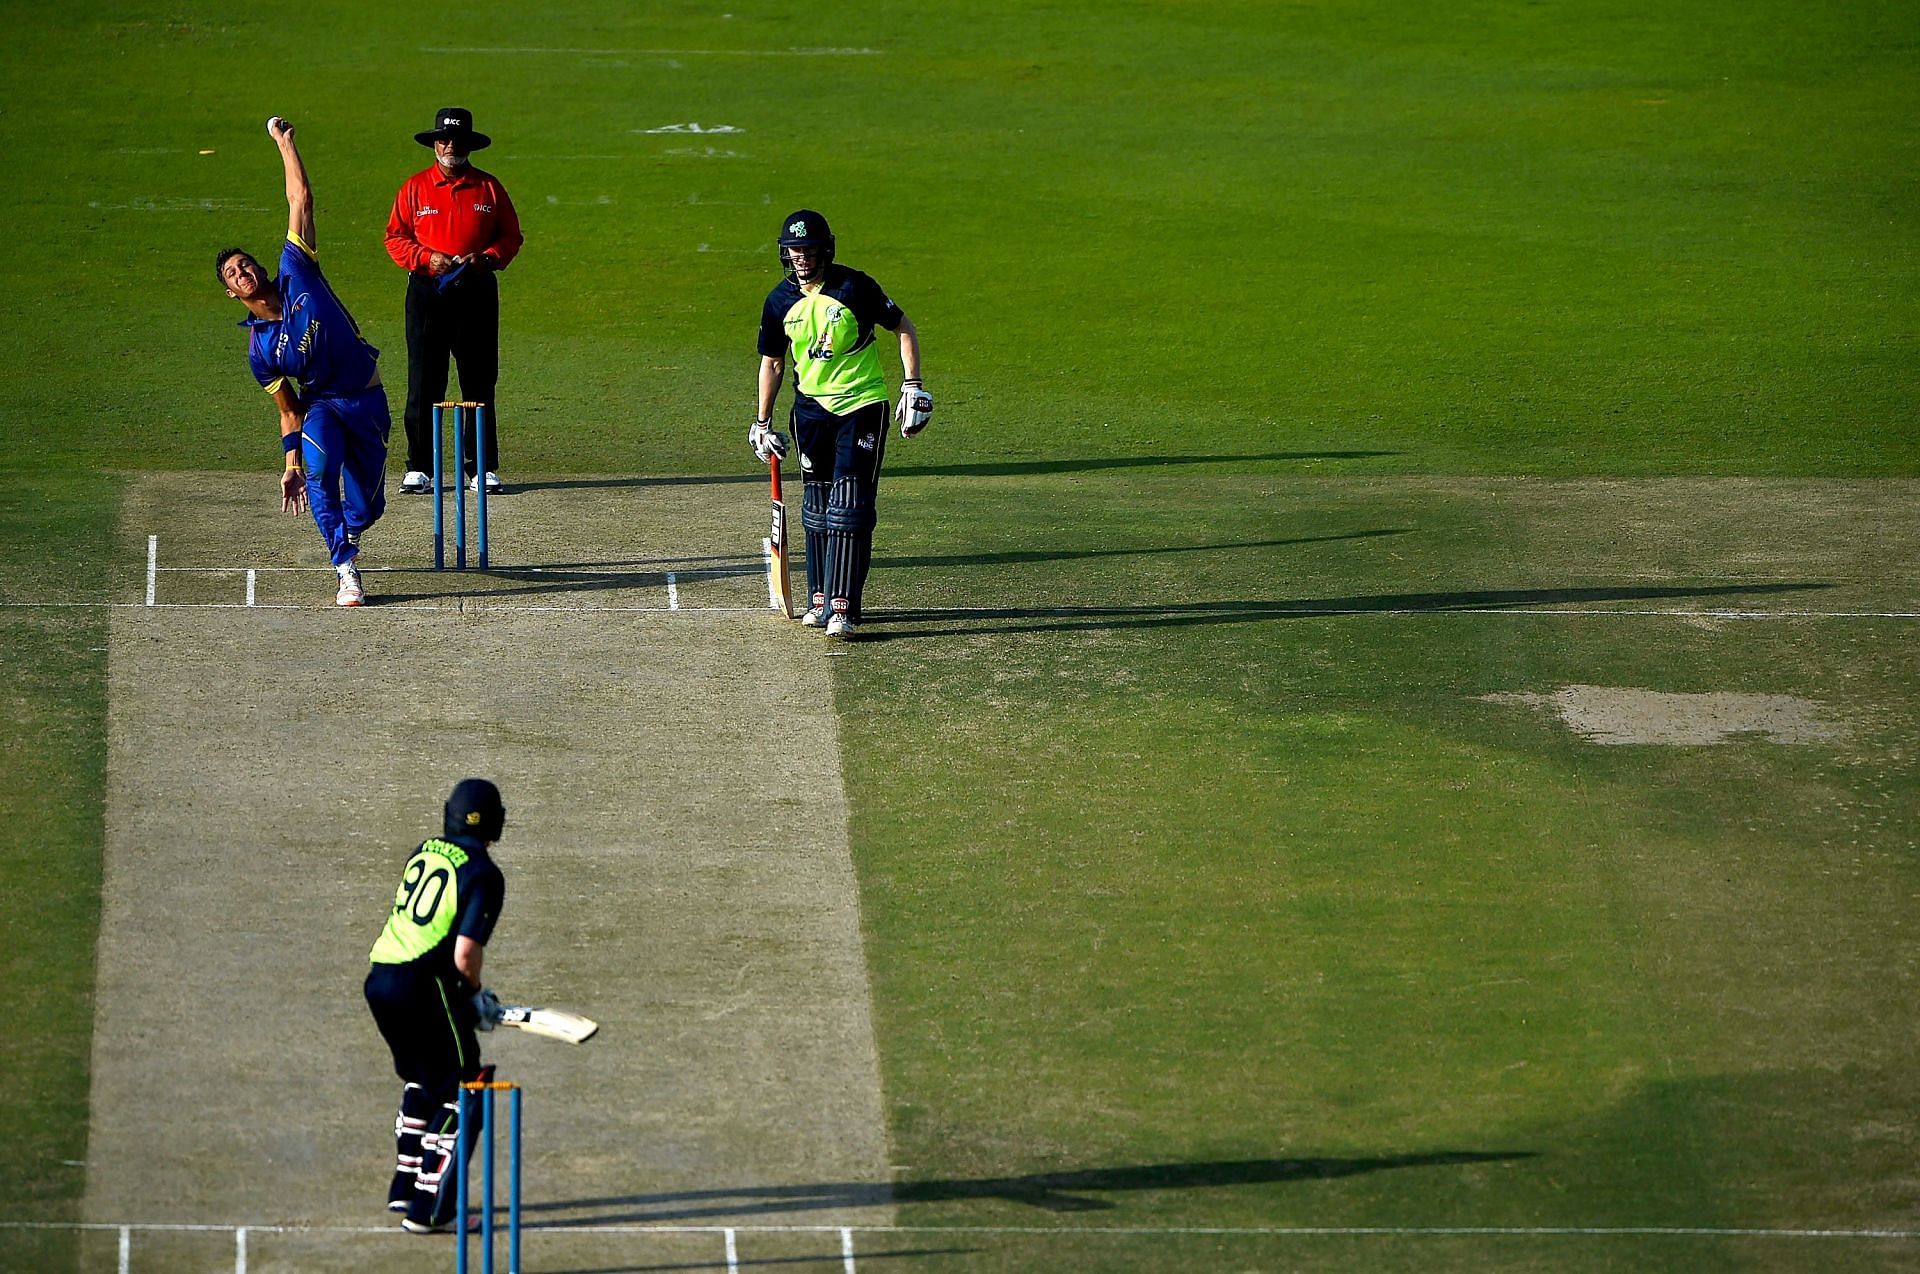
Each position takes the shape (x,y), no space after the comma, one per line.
(455,215)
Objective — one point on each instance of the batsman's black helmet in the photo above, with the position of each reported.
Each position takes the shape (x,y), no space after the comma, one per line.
(805,229)
(474,809)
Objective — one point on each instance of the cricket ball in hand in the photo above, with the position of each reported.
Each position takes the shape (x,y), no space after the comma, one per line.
(273,122)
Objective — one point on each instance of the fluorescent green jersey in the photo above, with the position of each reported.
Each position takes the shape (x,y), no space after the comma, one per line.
(829,336)
(446,891)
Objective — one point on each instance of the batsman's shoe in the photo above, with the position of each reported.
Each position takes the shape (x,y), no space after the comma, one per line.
(412,1226)
(840,628)
(816,614)
(351,593)
(415,483)
(493,483)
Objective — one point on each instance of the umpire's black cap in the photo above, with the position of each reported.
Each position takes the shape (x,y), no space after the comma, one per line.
(454,124)
(474,809)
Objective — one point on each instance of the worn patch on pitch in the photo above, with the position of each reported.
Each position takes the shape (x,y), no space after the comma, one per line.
(1624,714)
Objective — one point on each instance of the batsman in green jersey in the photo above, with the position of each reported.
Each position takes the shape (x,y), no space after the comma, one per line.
(425,990)
(823,319)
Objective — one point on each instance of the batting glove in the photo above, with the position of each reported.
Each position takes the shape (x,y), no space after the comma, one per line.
(914,409)
(766,442)
(487,1005)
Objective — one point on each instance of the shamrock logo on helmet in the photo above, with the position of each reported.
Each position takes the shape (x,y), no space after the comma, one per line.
(798,229)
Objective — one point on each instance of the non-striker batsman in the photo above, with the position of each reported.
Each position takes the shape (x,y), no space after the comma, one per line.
(823,320)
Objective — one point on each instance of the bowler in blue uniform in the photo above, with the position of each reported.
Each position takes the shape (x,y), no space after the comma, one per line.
(306,351)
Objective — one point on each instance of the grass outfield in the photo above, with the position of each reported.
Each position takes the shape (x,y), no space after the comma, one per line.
(1185,907)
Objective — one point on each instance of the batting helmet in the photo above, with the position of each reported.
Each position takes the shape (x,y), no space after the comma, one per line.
(805,229)
(474,809)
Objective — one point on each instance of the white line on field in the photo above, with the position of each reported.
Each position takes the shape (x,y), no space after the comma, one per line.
(992,612)
(153,565)
(846,1248)
(252,579)
(1062,1231)
(673,53)
(240,1250)
(458,605)
(733,1255)
(673,592)
(556,572)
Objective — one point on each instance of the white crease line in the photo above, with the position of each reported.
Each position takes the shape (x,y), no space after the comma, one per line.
(995,612)
(1750,1232)
(467,604)
(251,582)
(126,1249)
(153,565)
(673,592)
(240,1250)
(553,572)
(733,1255)
(846,1249)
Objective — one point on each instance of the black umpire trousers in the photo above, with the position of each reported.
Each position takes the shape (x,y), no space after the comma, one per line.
(461,323)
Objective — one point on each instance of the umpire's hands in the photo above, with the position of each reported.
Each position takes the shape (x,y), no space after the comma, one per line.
(914,409)
(767,442)
(487,1005)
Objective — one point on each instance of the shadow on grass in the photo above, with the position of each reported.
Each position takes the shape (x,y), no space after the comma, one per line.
(1017,468)
(1017,556)
(995,469)
(743,1262)
(964,621)
(549,578)
(1048,1191)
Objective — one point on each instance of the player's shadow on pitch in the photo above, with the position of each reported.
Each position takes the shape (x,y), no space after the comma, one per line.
(1017,556)
(1075,1191)
(976,621)
(1091,464)
(993,469)
(498,583)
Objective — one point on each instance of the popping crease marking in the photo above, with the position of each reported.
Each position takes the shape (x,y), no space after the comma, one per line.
(1309,1231)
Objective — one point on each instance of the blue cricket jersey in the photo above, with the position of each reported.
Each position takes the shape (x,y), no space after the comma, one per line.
(315,345)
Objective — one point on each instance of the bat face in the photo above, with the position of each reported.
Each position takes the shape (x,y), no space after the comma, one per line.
(779,564)
(557,1024)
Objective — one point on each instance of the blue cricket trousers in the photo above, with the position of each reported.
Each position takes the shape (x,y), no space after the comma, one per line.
(346,452)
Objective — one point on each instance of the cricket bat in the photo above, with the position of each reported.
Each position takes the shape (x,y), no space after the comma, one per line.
(555,1024)
(779,563)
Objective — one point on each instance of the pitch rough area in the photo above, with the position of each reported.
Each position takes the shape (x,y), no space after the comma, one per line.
(676,859)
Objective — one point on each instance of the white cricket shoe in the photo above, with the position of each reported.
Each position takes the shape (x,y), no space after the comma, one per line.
(412,1226)
(351,593)
(415,483)
(840,628)
(816,615)
(493,483)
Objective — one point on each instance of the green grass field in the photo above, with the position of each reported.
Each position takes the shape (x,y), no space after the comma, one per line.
(1305,374)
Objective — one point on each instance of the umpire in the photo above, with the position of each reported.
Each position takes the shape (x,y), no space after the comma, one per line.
(451,229)
(823,317)
(425,992)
